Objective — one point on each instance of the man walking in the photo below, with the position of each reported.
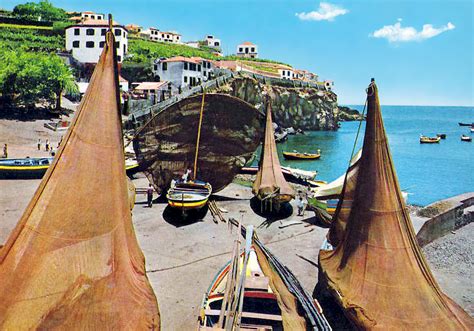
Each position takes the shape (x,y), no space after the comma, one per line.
(149,195)
(5,151)
(39,144)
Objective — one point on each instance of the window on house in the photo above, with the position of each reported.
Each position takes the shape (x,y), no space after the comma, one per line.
(240,50)
(204,73)
(124,34)
(246,50)
(75,44)
(89,44)
(216,43)
(185,65)
(185,79)
(90,32)
(103,31)
(177,38)
(253,49)
(209,65)
(119,58)
(92,16)
(101,44)
(165,66)
(167,36)
(117,45)
(155,67)
(117,32)
(199,67)
(124,48)
(77,32)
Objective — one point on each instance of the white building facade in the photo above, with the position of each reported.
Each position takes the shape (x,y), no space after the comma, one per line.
(183,72)
(88,15)
(86,40)
(286,73)
(247,49)
(213,42)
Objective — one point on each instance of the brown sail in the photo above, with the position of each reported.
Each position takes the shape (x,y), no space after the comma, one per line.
(230,133)
(270,183)
(73,261)
(378,272)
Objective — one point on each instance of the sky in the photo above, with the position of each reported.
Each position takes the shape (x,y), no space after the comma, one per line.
(420,52)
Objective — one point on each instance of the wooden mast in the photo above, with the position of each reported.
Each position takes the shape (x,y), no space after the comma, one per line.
(198,136)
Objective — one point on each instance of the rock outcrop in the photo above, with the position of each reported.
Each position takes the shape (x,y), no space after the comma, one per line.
(347,114)
(298,107)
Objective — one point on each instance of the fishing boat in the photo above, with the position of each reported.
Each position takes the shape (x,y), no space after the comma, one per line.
(254,291)
(441,135)
(374,265)
(472,129)
(187,194)
(301,156)
(466,138)
(270,186)
(466,124)
(429,140)
(26,168)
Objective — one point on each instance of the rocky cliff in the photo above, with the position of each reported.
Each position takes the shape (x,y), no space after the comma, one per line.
(298,107)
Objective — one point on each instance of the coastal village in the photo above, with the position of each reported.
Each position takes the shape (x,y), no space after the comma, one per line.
(142,189)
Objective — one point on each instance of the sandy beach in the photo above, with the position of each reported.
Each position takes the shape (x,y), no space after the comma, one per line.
(183,257)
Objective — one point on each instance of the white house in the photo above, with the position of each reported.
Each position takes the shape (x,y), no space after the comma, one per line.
(212,42)
(170,37)
(305,76)
(86,40)
(286,73)
(88,15)
(153,34)
(247,49)
(183,71)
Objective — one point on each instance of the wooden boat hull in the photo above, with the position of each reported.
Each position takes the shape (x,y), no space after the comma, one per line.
(27,168)
(428,140)
(186,196)
(300,156)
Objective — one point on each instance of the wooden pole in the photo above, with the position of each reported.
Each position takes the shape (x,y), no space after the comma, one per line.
(198,136)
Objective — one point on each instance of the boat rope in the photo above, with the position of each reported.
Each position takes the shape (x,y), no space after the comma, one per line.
(199,134)
(358,130)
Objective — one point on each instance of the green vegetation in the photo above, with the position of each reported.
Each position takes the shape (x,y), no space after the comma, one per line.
(18,26)
(268,69)
(233,57)
(25,39)
(144,51)
(41,11)
(27,78)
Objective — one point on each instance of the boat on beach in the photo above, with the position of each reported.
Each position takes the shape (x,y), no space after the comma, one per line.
(466,138)
(429,140)
(301,156)
(188,195)
(254,291)
(24,168)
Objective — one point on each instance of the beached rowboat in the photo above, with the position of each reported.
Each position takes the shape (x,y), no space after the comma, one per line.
(429,140)
(27,168)
(188,195)
(301,156)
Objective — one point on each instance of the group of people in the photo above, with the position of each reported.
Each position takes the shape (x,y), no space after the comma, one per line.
(48,147)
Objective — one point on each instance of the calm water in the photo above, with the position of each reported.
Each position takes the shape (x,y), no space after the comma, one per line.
(429,172)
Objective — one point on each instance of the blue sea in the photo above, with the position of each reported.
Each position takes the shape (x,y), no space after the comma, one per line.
(429,172)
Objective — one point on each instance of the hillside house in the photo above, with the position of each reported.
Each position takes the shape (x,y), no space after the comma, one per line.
(286,73)
(86,40)
(88,15)
(247,49)
(183,71)
(133,28)
(211,41)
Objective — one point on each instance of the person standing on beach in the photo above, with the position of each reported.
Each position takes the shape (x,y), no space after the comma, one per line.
(149,195)
(46,146)
(300,203)
(5,151)
(39,144)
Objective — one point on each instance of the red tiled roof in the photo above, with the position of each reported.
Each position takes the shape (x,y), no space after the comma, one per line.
(96,23)
(247,43)
(196,60)
(150,85)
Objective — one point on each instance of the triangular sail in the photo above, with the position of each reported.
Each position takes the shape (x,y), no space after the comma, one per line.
(270,182)
(377,271)
(73,260)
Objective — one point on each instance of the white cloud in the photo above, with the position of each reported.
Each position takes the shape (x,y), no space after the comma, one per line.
(325,12)
(397,33)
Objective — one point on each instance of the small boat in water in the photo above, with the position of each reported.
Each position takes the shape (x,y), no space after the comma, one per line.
(441,135)
(472,128)
(27,168)
(301,156)
(429,140)
(466,124)
(466,138)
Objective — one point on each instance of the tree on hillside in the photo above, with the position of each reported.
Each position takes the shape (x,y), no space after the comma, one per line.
(29,78)
(41,11)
